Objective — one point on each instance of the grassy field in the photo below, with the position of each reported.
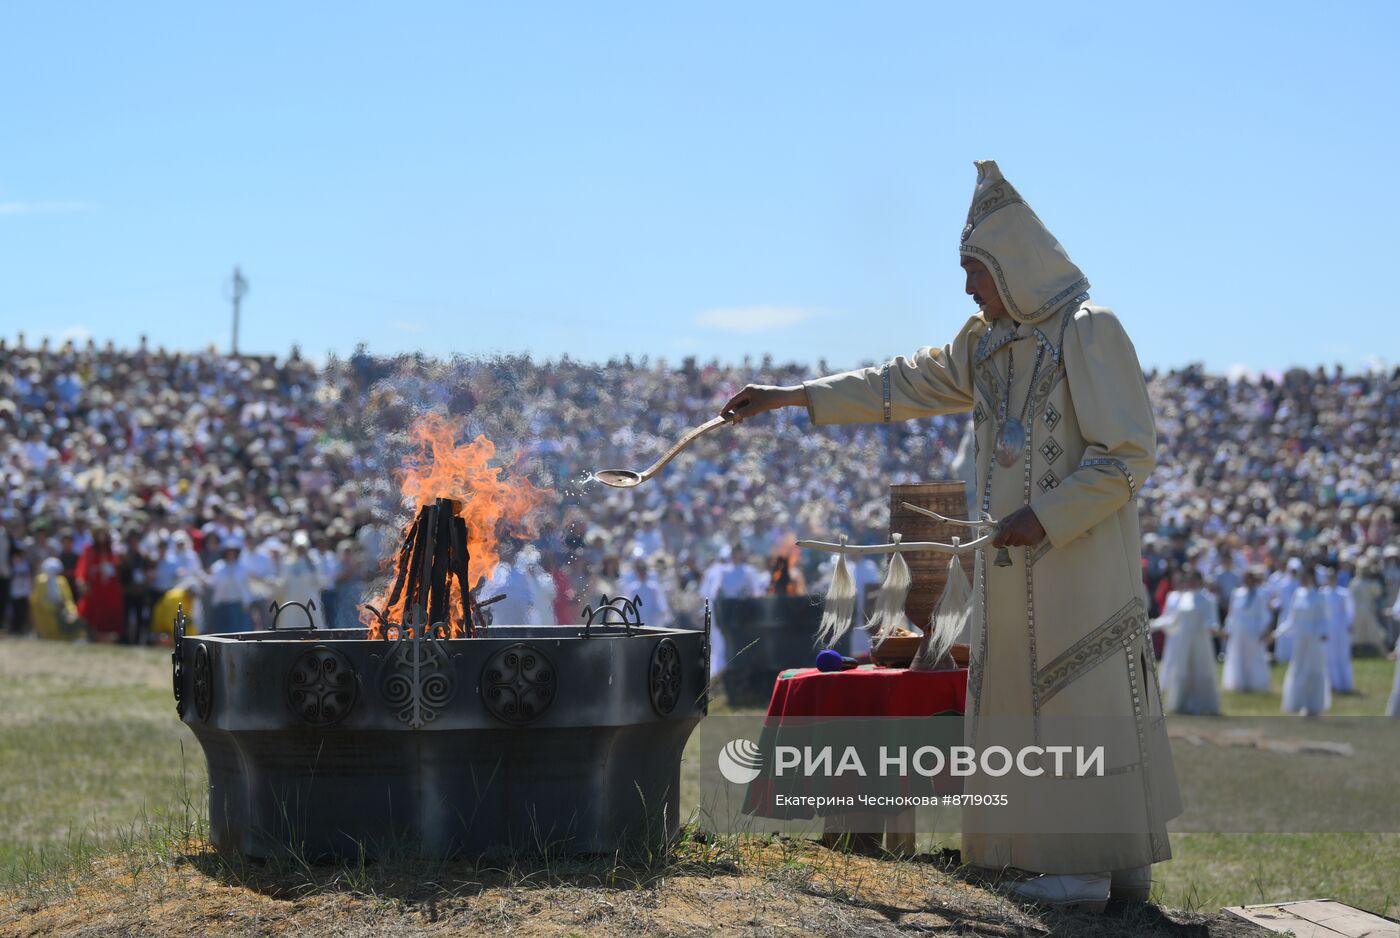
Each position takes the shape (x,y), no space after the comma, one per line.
(1210,870)
(89,746)
(92,755)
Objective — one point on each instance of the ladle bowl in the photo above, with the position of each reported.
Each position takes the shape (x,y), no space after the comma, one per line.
(626,478)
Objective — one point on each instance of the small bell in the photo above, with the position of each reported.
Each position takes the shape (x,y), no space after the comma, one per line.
(1003,557)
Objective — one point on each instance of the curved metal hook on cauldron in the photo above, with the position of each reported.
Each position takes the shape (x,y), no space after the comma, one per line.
(307,608)
(704,699)
(177,659)
(378,615)
(484,615)
(181,624)
(628,609)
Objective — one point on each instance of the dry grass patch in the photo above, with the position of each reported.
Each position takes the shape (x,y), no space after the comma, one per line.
(706,886)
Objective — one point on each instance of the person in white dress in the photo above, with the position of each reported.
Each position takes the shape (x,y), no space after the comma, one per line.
(645,585)
(728,577)
(264,563)
(178,563)
(541,586)
(1305,685)
(328,564)
(1190,618)
(607,583)
(1392,708)
(1366,590)
(230,595)
(866,573)
(518,606)
(1246,624)
(299,580)
(529,598)
(1339,615)
(1281,586)
(649,540)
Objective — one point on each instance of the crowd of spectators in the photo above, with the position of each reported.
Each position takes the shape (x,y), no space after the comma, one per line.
(137,471)
(1269,475)
(130,477)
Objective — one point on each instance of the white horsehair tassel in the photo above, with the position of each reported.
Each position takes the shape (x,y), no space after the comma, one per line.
(840,608)
(950,619)
(889,602)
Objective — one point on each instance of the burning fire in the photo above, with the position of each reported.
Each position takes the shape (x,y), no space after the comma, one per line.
(491,507)
(785,568)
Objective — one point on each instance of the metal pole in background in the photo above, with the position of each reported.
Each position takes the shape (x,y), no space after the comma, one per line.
(239,289)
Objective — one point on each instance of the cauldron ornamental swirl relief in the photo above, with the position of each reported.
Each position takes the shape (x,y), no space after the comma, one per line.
(518,684)
(322,687)
(418,678)
(665,676)
(177,660)
(203,683)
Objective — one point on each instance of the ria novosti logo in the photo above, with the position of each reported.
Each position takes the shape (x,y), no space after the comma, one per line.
(740,761)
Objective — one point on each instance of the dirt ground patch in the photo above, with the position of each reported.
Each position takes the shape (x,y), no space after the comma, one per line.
(788,888)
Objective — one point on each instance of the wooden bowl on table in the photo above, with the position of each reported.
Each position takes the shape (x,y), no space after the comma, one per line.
(897,651)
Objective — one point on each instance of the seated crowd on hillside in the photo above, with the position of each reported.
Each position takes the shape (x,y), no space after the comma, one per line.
(136,480)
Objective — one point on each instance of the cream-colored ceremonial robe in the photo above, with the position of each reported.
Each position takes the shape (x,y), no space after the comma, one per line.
(1061,635)
(1366,592)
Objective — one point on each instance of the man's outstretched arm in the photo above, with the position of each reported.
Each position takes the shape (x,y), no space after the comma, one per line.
(932,381)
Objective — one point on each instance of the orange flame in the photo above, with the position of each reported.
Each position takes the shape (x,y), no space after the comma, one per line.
(491,506)
(785,568)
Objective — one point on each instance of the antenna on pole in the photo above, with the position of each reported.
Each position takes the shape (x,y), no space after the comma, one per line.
(237,289)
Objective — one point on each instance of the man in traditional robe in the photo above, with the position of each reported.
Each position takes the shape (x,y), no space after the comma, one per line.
(1065,436)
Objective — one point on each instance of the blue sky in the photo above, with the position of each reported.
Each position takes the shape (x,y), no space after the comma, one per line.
(599,179)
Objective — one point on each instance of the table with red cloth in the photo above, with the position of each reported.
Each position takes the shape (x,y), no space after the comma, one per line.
(805,697)
(867,691)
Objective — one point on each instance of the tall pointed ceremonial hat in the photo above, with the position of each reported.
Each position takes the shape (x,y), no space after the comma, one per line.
(1034,275)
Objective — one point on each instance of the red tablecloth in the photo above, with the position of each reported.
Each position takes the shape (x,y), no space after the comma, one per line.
(867,691)
(802,697)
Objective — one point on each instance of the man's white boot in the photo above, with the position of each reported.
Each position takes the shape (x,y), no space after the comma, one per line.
(1131,885)
(1086,892)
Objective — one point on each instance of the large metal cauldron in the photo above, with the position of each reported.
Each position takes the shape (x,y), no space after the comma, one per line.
(530,738)
(763,636)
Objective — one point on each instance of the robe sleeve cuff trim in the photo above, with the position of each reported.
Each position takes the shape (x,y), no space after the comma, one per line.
(1116,464)
(885,388)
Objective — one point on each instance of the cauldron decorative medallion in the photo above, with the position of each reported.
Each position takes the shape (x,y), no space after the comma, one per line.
(518,684)
(321,687)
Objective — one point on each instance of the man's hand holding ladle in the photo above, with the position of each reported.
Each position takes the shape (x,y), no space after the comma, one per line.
(758,398)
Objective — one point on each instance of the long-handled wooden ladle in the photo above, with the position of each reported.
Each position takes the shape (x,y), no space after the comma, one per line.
(626,478)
